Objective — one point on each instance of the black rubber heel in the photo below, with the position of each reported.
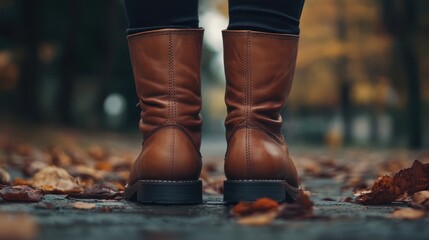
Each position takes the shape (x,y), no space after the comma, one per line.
(165,192)
(251,190)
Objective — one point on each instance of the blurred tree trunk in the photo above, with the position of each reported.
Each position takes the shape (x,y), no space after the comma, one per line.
(343,76)
(400,20)
(28,101)
(68,64)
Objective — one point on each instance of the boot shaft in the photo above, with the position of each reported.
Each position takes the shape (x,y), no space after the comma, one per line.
(259,69)
(166,66)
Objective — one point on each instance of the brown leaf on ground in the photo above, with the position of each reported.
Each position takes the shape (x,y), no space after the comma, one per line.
(408,213)
(96,192)
(387,189)
(97,153)
(83,205)
(324,168)
(55,180)
(260,206)
(83,171)
(118,186)
(215,187)
(18,227)
(21,193)
(301,208)
(104,166)
(20,181)
(258,219)
(412,179)
(420,200)
(59,157)
(265,210)
(381,192)
(4,177)
(33,167)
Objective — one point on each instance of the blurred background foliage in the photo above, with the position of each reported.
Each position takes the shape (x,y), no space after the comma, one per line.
(361,79)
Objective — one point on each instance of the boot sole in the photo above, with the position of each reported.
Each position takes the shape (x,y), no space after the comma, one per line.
(250,190)
(165,192)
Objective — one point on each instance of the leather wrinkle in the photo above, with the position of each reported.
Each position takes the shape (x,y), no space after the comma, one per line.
(168,101)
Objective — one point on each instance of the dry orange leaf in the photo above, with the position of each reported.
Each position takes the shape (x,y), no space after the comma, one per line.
(105,166)
(261,205)
(265,210)
(420,200)
(258,219)
(55,180)
(83,205)
(20,181)
(408,213)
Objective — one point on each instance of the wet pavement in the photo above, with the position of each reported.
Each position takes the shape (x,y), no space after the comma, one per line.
(56,219)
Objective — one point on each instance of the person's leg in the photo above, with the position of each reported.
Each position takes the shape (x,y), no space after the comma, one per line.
(145,15)
(274,16)
(165,48)
(260,50)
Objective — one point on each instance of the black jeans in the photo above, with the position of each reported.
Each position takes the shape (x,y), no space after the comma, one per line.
(275,16)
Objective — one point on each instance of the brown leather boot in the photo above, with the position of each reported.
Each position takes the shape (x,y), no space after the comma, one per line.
(259,68)
(166,67)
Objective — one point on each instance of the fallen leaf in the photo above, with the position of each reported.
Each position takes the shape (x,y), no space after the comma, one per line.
(408,213)
(20,181)
(265,210)
(33,167)
(259,206)
(21,193)
(301,208)
(381,192)
(387,189)
(18,227)
(215,187)
(4,177)
(84,171)
(83,205)
(96,192)
(420,200)
(258,219)
(104,166)
(59,157)
(55,180)
(403,198)
(97,153)
(119,186)
(412,179)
